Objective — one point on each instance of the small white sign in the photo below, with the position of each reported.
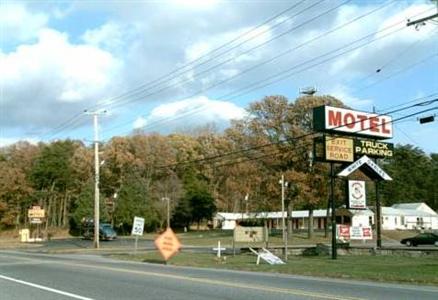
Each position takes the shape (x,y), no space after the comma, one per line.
(361,233)
(267,256)
(36,221)
(137,226)
(356,194)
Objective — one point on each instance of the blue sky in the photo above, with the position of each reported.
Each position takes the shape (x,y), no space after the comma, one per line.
(59,58)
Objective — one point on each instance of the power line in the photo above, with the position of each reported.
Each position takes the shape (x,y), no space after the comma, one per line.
(396,57)
(296,66)
(123,102)
(297,138)
(290,69)
(162,78)
(422,61)
(171,75)
(308,144)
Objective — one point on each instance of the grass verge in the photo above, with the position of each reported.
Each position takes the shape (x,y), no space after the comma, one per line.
(419,270)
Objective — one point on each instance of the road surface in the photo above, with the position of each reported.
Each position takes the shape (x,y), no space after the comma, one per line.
(65,276)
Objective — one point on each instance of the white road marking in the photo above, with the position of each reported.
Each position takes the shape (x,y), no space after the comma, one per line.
(41,287)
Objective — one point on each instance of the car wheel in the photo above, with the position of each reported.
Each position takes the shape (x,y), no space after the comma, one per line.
(408,243)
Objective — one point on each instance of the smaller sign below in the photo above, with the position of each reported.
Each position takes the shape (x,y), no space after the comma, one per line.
(35,221)
(356,194)
(137,226)
(167,244)
(373,149)
(267,256)
(361,233)
(339,149)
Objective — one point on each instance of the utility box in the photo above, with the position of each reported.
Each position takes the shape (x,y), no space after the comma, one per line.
(24,235)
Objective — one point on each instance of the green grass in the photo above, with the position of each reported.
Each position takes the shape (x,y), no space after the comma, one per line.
(418,270)
(211,237)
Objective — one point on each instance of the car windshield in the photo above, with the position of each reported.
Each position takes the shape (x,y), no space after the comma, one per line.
(107,228)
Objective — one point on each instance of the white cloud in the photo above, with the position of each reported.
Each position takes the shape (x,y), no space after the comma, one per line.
(110,35)
(342,92)
(20,24)
(190,113)
(9,141)
(195,4)
(52,71)
(254,38)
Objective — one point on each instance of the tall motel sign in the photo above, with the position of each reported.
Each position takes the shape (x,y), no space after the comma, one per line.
(353,140)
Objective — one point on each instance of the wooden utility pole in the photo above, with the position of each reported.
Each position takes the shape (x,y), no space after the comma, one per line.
(97,175)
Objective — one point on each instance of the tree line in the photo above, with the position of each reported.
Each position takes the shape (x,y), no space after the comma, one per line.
(201,171)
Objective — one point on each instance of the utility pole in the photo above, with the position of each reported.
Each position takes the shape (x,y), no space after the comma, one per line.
(283,224)
(96,175)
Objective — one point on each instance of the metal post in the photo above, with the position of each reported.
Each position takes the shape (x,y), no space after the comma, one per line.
(378,217)
(96,182)
(283,218)
(332,204)
(168,212)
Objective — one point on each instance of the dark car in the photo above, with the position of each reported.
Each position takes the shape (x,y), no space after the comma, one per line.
(106,231)
(421,239)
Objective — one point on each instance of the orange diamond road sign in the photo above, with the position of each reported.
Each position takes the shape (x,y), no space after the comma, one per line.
(168,244)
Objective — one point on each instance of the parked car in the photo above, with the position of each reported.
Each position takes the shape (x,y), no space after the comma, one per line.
(106,231)
(421,239)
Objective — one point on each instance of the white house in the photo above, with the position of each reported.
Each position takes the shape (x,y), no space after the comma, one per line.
(355,217)
(409,216)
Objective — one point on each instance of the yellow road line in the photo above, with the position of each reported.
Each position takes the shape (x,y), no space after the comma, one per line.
(296,292)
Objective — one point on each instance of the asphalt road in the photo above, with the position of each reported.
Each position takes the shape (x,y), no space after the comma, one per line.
(41,276)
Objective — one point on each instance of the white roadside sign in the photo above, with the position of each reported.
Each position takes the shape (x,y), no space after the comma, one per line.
(267,256)
(137,226)
(356,194)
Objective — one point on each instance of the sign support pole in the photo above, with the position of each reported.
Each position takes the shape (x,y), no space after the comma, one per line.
(378,217)
(136,244)
(332,204)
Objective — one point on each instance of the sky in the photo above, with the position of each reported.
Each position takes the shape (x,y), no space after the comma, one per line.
(171,66)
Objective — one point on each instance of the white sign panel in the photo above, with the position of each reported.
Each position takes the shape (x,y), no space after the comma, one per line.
(361,233)
(267,256)
(353,122)
(356,194)
(137,226)
(365,160)
(270,258)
